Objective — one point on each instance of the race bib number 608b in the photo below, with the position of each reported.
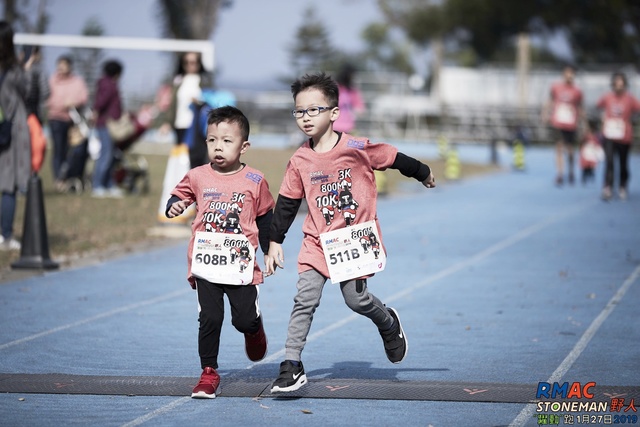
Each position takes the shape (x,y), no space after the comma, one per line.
(222,258)
(353,252)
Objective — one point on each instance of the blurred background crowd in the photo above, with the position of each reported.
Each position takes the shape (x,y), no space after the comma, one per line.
(473,72)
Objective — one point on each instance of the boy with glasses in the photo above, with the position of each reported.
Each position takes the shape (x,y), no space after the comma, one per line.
(334,172)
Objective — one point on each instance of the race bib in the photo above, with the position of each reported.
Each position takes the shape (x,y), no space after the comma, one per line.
(613,128)
(592,152)
(353,252)
(222,258)
(565,114)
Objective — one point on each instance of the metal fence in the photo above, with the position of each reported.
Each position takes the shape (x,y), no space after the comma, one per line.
(474,105)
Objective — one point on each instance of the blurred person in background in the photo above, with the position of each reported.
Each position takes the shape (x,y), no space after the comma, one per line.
(39,85)
(191,77)
(564,113)
(39,91)
(350,103)
(107,105)
(68,90)
(15,158)
(591,152)
(618,108)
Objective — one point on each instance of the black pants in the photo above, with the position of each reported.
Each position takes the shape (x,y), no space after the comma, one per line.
(612,149)
(245,315)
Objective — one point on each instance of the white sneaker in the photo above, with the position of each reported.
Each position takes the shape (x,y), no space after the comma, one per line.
(10,244)
(115,193)
(99,193)
(622,193)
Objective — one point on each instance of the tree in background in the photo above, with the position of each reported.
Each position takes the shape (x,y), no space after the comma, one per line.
(382,53)
(597,31)
(25,17)
(311,49)
(190,19)
(88,59)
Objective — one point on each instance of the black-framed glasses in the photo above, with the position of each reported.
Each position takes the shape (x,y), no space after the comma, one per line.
(311,112)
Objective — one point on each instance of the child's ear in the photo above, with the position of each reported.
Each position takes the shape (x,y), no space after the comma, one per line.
(335,113)
(245,147)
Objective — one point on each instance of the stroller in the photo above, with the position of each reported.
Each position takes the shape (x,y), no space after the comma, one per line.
(73,171)
(131,171)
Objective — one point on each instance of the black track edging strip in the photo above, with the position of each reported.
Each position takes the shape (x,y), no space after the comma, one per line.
(325,388)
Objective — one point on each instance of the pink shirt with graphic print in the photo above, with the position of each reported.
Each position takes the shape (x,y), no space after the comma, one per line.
(340,189)
(567,101)
(244,193)
(618,109)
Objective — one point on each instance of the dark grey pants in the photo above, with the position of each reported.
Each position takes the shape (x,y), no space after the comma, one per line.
(310,286)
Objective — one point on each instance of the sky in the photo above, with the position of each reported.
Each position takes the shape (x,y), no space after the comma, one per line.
(251,39)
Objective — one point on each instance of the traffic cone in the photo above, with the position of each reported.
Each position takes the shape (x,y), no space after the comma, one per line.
(443,147)
(452,165)
(382,185)
(34,252)
(177,167)
(518,155)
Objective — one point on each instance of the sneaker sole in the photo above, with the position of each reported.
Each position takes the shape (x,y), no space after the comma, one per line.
(406,341)
(202,395)
(301,381)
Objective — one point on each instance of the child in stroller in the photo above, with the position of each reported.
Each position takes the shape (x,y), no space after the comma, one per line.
(130,170)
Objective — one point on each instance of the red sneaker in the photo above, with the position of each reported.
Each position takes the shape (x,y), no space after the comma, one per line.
(255,345)
(208,385)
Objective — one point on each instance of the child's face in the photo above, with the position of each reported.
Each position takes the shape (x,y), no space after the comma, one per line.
(225,145)
(318,125)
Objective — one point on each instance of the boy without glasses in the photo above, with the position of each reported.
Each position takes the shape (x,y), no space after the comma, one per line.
(234,211)
(334,172)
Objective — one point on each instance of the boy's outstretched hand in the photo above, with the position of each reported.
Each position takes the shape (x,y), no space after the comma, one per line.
(430,182)
(177,208)
(274,259)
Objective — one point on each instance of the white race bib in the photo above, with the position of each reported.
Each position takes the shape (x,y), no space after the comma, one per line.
(353,252)
(613,128)
(565,114)
(592,152)
(223,258)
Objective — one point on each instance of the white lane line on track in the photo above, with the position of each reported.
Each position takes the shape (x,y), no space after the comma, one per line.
(162,410)
(527,412)
(93,318)
(503,244)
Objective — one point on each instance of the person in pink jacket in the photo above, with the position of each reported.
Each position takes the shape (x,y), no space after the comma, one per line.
(68,90)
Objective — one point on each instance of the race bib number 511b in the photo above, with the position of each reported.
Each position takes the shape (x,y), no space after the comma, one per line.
(353,252)
(222,258)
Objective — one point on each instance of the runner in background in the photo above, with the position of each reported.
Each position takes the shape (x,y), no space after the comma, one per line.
(564,113)
(618,107)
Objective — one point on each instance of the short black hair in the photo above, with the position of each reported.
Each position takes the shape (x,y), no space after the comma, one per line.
(65,58)
(112,68)
(320,81)
(7,49)
(231,115)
